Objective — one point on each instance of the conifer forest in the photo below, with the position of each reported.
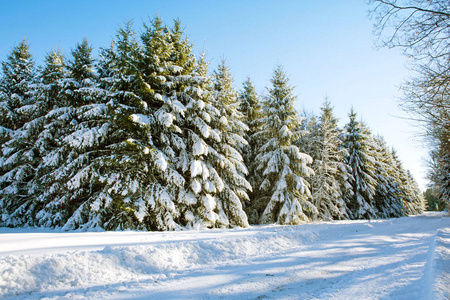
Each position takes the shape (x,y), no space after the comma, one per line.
(147,137)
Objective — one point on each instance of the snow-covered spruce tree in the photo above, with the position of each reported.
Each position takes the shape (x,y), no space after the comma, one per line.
(183,128)
(388,194)
(186,121)
(18,74)
(308,142)
(18,156)
(180,84)
(137,178)
(196,156)
(159,66)
(360,158)
(281,163)
(25,150)
(412,198)
(231,168)
(73,125)
(331,174)
(250,107)
(130,174)
(418,200)
(15,96)
(439,174)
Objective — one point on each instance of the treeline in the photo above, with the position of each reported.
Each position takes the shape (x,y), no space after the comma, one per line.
(145,138)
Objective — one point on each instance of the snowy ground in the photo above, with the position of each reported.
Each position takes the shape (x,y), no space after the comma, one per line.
(406,258)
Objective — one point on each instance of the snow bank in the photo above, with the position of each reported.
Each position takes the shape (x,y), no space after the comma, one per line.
(441,264)
(29,273)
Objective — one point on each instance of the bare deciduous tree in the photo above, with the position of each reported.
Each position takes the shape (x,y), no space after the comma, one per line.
(422,29)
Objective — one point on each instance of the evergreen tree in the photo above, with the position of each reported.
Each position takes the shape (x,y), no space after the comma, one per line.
(54,116)
(360,158)
(439,173)
(186,132)
(159,69)
(81,67)
(412,198)
(250,107)
(388,194)
(418,200)
(196,157)
(434,203)
(54,70)
(74,124)
(18,75)
(331,173)
(309,141)
(283,166)
(232,169)
(19,128)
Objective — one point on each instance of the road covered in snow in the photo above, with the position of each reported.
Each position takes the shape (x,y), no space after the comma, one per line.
(405,258)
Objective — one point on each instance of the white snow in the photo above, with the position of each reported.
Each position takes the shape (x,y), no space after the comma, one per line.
(405,258)
(199,148)
(141,119)
(196,168)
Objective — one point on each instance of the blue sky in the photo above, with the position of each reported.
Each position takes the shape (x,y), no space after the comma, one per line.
(326,47)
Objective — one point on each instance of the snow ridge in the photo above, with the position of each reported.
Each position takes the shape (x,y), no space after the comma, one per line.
(440,265)
(49,272)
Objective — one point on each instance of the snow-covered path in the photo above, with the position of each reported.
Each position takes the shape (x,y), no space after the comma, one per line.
(406,258)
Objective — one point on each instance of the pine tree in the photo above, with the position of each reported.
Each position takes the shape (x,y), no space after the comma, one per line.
(184,130)
(131,188)
(187,133)
(232,169)
(360,158)
(412,198)
(77,125)
(159,67)
(388,195)
(330,172)
(433,202)
(283,166)
(196,156)
(309,141)
(54,70)
(250,107)
(439,172)
(54,116)
(81,67)
(18,75)
(19,129)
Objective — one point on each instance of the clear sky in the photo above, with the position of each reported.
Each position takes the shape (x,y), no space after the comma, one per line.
(326,47)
